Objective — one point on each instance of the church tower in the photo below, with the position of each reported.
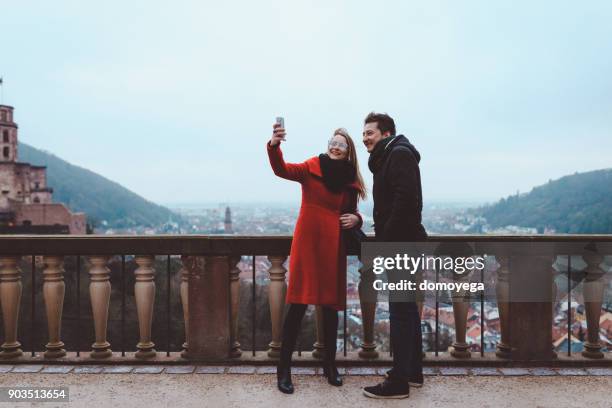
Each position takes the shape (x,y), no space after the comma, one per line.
(228,221)
(8,135)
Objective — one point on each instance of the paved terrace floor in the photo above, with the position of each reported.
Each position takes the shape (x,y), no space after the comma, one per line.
(248,386)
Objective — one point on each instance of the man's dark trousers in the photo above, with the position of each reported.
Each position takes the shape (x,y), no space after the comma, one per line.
(406,340)
(405,325)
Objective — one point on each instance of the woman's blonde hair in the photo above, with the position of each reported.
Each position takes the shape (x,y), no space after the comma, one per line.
(352,158)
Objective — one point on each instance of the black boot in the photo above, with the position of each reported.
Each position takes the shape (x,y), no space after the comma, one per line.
(330,329)
(283,378)
(291,328)
(333,376)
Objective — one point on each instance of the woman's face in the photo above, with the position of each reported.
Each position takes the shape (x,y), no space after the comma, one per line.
(337,149)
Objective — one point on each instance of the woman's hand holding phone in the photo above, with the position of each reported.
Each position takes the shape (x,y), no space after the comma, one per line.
(278,134)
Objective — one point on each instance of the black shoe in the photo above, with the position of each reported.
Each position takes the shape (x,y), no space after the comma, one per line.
(388,389)
(283,377)
(333,377)
(414,381)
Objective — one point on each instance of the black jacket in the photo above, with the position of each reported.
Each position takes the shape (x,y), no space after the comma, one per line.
(398,200)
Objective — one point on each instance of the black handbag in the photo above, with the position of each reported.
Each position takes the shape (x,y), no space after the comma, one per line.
(353,237)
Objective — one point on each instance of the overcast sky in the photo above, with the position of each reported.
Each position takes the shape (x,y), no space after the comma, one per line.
(175,100)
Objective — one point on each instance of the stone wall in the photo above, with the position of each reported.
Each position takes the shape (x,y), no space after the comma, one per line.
(50,214)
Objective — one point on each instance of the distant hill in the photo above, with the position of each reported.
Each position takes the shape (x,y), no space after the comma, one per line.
(577,204)
(100,198)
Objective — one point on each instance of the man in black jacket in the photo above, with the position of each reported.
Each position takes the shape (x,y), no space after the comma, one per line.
(398,203)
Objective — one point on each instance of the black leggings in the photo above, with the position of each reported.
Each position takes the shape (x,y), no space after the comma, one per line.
(291,329)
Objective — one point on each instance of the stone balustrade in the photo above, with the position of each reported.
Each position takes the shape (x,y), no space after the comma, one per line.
(210,296)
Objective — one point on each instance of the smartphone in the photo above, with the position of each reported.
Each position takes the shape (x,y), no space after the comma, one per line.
(281,121)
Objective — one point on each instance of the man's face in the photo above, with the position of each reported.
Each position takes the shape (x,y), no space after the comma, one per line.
(372,135)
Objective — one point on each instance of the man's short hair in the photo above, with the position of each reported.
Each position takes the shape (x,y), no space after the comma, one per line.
(383,121)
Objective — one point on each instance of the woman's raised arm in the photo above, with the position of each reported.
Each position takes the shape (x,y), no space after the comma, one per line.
(289,171)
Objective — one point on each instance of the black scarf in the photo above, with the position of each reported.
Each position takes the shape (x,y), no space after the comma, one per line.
(378,153)
(336,173)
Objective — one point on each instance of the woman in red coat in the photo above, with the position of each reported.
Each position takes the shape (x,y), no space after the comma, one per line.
(331,185)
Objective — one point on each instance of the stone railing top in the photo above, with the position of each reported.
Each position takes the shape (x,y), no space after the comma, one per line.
(220,244)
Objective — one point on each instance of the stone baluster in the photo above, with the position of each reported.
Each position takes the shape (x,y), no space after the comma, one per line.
(367,300)
(53,295)
(184,291)
(593,298)
(276,298)
(144,294)
(502,290)
(319,345)
(99,293)
(235,299)
(460,348)
(10,297)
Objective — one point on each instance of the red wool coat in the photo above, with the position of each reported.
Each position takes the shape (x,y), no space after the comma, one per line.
(317,263)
